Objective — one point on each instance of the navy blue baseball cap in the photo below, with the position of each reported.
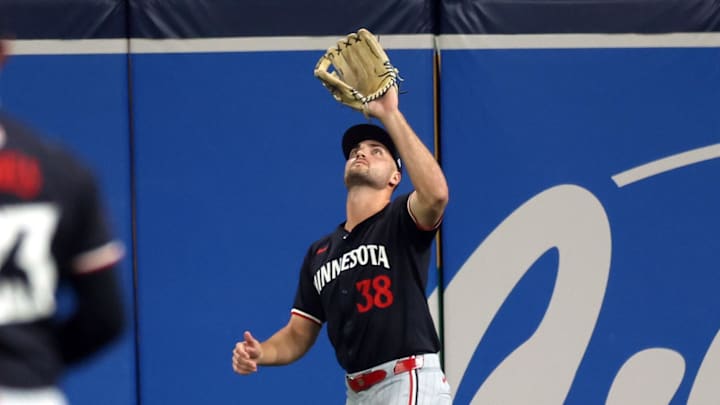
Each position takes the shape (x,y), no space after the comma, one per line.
(363,132)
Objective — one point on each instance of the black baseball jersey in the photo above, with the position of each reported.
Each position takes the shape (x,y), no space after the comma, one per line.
(51,227)
(369,286)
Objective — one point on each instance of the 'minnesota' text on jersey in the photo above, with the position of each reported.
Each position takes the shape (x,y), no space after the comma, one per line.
(362,284)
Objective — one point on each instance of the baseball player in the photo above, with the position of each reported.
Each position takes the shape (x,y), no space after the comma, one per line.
(52,230)
(366,279)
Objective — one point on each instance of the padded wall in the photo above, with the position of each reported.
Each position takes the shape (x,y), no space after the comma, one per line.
(82,101)
(577,16)
(573,278)
(579,247)
(256,18)
(235,178)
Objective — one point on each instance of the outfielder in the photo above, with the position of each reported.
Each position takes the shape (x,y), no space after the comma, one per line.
(367,278)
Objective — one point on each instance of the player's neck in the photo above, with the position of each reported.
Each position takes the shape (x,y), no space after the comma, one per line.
(364,202)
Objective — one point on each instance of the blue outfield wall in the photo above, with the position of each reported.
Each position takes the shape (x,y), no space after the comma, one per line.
(580,246)
(567,281)
(547,252)
(239,170)
(82,101)
(569,273)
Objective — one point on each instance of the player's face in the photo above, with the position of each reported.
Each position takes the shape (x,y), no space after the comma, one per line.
(371,164)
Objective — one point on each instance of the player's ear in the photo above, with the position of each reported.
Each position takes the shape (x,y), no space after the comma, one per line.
(395,178)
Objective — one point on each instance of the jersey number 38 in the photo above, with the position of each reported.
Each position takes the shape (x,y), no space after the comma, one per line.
(375,293)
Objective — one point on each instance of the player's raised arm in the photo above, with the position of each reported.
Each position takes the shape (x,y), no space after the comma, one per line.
(428,201)
(284,347)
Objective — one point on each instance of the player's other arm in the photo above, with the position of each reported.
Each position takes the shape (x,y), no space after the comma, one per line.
(284,347)
(428,201)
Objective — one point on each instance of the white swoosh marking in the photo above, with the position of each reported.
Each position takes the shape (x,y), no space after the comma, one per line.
(649,377)
(666,164)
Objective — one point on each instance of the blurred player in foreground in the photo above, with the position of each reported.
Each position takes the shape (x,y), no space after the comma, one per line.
(52,230)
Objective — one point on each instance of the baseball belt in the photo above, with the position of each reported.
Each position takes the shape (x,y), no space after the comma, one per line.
(368,379)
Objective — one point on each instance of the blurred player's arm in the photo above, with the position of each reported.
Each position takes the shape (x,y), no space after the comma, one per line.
(284,347)
(98,318)
(92,269)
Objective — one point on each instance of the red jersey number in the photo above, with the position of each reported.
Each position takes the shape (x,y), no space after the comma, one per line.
(375,293)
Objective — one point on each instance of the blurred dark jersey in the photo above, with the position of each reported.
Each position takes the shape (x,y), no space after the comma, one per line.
(52,227)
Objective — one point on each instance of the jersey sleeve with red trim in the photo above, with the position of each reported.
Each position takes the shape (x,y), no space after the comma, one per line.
(307,298)
(421,237)
(92,246)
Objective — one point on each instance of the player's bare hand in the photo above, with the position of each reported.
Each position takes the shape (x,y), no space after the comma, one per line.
(246,355)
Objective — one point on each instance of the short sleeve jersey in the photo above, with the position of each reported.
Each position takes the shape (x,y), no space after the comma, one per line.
(51,225)
(369,286)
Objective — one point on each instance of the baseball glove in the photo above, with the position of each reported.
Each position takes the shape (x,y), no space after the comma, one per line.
(362,72)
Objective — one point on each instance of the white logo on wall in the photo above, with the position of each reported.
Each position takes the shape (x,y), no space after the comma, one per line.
(571,219)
